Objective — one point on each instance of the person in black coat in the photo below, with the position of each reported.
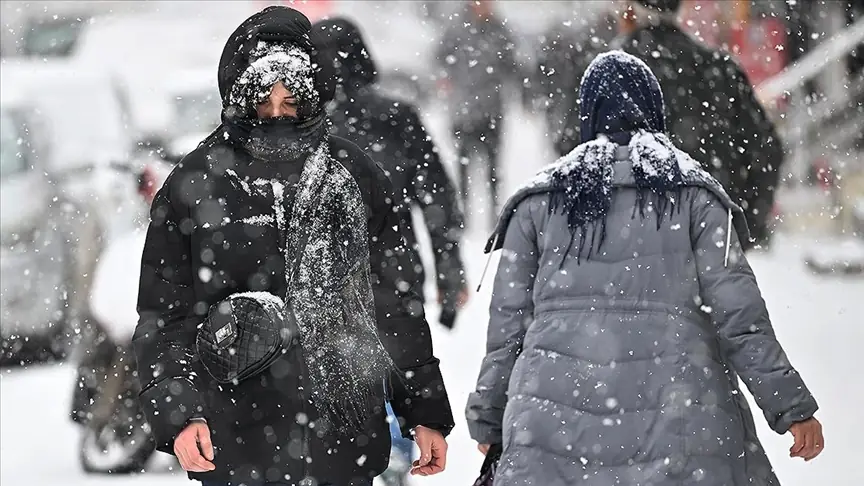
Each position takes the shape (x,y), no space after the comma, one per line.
(711,109)
(224,224)
(393,135)
(477,59)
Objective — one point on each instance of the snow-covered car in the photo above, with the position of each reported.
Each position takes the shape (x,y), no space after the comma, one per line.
(161,47)
(193,96)
(35,253)
(84,130)
(61,197)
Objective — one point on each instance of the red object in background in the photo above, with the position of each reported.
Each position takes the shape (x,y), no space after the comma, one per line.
(314,9)
(761,48)
(824,174)
(147,184)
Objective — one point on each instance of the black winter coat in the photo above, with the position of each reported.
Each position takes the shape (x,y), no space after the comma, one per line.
(393,135)
(713,115)
(198,252)
(564,54)
(478,58)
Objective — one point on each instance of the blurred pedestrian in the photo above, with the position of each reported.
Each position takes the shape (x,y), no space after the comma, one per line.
(391,133)
(600,368)
(567,47)
(273,231)
(711,109)
(478,63)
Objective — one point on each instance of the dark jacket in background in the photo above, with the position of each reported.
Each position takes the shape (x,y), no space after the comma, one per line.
(200,249)
(713,115)
(565,52)
(477,58)
(392,134)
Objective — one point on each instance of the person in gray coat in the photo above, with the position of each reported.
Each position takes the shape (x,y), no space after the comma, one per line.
(624,313)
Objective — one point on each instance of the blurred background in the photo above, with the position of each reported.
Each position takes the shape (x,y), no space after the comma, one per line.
(99,99)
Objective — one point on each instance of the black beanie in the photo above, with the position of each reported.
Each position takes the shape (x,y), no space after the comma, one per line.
(661,5)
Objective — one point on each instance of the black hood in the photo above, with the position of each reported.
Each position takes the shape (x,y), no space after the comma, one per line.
(279,24)
(341,42)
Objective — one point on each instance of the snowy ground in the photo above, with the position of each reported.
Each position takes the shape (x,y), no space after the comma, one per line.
(818,319)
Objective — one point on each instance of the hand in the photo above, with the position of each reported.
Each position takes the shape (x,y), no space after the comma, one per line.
(809,442)
(189,446)
(433,452)
(462,298)
(484,448)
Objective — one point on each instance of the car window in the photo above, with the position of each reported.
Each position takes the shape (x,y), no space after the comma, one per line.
(197,112)
(13,157)
(52,39)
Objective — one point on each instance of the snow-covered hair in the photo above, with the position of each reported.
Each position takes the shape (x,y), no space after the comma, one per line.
(271,62)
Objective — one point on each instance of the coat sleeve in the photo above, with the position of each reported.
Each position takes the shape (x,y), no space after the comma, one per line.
(510,314)
(164,339)
(740,317)
(434,192)
(761,148)
(418,393)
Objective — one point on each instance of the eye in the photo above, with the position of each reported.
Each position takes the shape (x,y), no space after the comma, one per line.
(290,102)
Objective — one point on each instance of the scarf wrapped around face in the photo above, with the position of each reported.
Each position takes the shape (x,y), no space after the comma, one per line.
(282,138)
(346,363)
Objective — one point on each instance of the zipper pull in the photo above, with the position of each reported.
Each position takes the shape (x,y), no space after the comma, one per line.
(728,239)
(488,260)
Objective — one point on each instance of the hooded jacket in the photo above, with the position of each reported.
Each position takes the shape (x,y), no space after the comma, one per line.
(392,134)
(615,358)
(208,239)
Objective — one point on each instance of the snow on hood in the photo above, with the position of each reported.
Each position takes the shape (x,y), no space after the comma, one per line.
(275,24)
(273,62)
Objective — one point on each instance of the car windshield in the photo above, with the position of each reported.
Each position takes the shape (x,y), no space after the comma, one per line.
(197,112)
(52,39)
(12,158)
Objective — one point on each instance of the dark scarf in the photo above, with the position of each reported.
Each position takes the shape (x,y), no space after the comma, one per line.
(621,104)
(332,294)
(280,139)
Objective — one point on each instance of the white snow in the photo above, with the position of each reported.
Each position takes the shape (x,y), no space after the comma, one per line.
(817,319)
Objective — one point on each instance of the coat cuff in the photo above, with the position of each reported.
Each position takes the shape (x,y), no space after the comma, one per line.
(169,406)
(803,411)
(419,398)
(484,423)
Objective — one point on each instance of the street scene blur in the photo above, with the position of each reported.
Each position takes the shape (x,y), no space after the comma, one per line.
(101,100)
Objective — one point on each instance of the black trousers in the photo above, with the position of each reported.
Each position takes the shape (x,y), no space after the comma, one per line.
(481,144)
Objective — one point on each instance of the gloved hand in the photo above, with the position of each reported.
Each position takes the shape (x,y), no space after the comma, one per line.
(448,317)
(451,303)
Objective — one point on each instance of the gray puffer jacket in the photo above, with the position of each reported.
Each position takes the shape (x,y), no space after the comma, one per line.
(622,368)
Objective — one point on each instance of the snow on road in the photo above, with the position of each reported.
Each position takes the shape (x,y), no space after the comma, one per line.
(818,319)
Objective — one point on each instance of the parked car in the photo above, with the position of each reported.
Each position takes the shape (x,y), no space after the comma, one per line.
(61,199)
(35,250)
(193,99)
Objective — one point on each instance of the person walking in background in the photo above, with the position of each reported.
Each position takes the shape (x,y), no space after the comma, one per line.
(391,133)
(567,48)
(600,368)
(272,215)
(478,63)
(711,109)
